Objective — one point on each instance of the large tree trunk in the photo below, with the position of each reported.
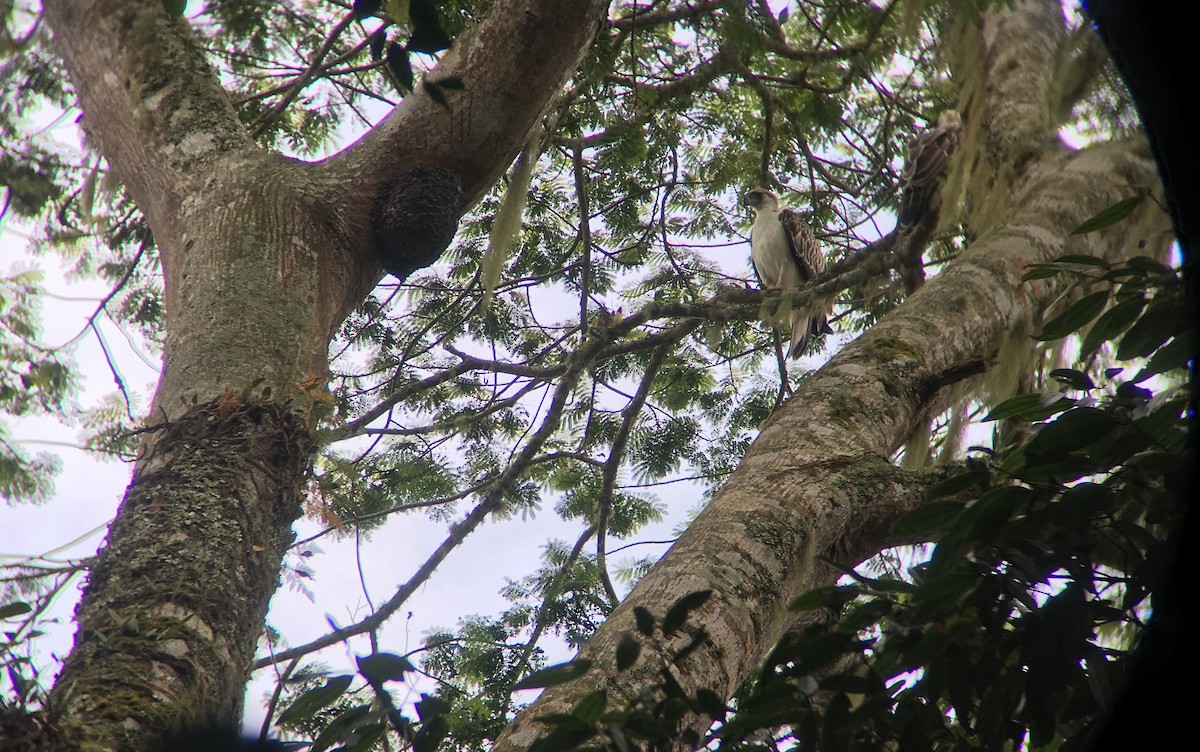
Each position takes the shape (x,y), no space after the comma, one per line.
(263,258)
(818,480)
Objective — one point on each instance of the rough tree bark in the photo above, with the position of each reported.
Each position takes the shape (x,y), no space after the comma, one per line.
(818,480)
(263,257)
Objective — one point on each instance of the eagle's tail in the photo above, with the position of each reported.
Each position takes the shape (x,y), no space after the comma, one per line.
(805,324)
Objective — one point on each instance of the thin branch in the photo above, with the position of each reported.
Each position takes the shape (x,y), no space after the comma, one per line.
(264,120)
(616,454)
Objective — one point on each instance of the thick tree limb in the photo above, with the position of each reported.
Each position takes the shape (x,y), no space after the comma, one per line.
(811,479)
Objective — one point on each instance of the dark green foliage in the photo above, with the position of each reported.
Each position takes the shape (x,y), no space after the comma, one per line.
(1019,629)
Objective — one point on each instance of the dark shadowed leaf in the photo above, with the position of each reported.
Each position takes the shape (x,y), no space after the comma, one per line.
(829,596)
(435,93)
(366,8)
(376,42)
(1073,378)
(427,35)
(560,673)
(432,732)
(1112,322)
(677,614)
(1174,354)
(383,667)
(591,706)
(1074,318)
(644,619)
(314,699)
(711,703)
(1074,430)
(956,484)
(1164,318)
(430,707)
(1029,407)
(9,610)
(400,67)
(174,7)
(628,650)
(569,732)
(927,518)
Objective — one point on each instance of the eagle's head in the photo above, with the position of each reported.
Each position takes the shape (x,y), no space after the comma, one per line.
(760,198)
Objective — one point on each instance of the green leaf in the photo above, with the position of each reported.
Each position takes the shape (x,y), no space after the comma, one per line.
(1148,265)
(1074,318)
(628,650)
(956,484)
(1080,259)
(993,510)
(314,699)
(1112,323)
(1166,317)
(9,610)
(1175,354)
(384,667)
(1031,407)
(677,614)
(1110,216)
(353,717)
(928,518)
(1076,429)
(1040,271)
(1073,378)
(828,596)
(174,7)
(591,706)
(560,673)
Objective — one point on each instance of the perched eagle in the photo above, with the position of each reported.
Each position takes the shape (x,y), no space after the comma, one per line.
(785,256)
(925,167)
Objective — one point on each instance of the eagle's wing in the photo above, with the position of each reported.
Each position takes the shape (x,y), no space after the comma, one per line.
(925,168)
(806,254)
(809,261)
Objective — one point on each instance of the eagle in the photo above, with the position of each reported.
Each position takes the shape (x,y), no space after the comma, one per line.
(925,168)
(786,255)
